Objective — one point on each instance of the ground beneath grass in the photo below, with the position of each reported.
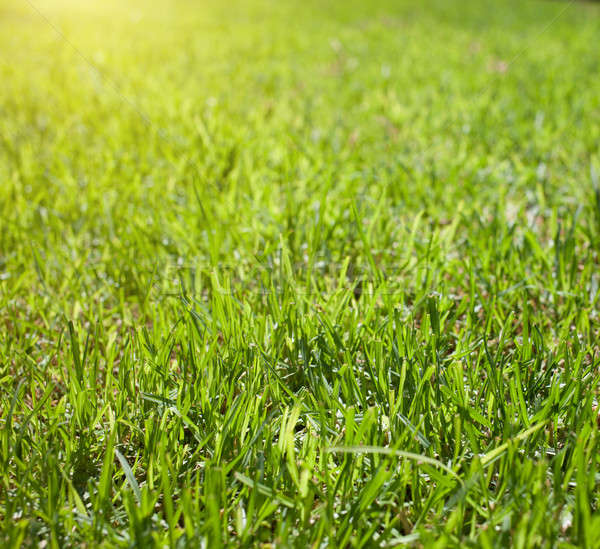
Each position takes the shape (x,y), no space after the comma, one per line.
(299,274)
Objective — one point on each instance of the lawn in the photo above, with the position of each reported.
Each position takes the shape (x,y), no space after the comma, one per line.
(299,274)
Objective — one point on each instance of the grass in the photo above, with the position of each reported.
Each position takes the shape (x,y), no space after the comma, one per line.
(298,274)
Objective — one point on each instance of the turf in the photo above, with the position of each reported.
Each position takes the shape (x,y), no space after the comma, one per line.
(299,274)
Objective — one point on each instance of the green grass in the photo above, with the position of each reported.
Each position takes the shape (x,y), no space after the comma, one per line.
(307,274)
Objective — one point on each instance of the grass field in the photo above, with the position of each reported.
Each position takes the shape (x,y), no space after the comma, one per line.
(299,274)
